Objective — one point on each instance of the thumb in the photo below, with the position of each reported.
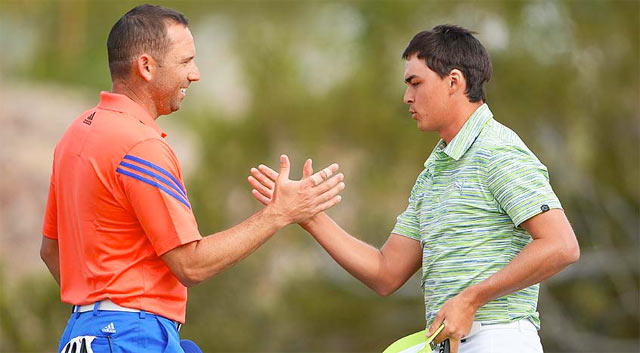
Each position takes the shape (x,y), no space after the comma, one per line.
(307,170)
(285,167)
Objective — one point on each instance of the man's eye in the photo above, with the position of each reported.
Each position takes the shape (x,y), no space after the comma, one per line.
(415,84)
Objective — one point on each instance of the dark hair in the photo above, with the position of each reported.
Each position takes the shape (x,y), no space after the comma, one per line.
(448,47)
(142,29)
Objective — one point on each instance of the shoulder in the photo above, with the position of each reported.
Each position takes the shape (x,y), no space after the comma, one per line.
(154,150)
(156,155)
(127,125)
(123,133)
(497,143)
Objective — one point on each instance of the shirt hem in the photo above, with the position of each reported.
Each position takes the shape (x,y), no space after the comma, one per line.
(534,212)
(405,235)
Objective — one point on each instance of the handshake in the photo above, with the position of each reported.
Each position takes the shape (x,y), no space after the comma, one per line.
(296,201)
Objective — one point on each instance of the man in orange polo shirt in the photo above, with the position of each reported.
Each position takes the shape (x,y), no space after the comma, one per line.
(119,233)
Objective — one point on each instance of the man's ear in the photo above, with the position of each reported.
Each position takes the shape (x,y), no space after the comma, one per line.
(146,66)
(457,83)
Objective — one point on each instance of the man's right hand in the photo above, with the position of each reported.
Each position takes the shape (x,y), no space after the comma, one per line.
(297,200)
(290,201)
(383,270)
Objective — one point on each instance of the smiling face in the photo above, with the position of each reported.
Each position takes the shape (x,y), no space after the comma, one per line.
(176,70)
(427,95)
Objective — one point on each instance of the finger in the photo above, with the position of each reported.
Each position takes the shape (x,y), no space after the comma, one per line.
(316,179)
(260,188)
(443,335)
(268,172)
(439,319)
(329,184)
(327,205)
(331,193)
(330,170)
(261,198)
(285,167)
(324,174)
(454,345)
(327,173)
(263,179)
(307,170)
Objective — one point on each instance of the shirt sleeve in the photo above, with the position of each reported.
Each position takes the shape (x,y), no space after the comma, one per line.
(520,183)
(50,224)
(151,179)
(407,223)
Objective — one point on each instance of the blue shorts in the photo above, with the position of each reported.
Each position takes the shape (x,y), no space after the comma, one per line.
(118,332)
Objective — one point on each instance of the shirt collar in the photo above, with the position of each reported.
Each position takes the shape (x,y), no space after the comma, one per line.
(467,135)
(121,103)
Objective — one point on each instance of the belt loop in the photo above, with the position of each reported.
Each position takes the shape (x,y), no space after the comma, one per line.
(95,308)
(143,314)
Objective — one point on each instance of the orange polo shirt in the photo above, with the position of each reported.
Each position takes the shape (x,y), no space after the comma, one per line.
(116,204)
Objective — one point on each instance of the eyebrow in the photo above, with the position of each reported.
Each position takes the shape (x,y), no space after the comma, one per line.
(408,79)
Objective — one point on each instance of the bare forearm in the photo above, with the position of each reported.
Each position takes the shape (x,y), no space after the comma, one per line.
(383,270)
(54,267)
(50,257)
(290,202)
(363,261)
(538,261)
(219,251)
(360,259)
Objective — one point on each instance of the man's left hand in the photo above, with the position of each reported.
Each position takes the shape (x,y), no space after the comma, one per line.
(457,314)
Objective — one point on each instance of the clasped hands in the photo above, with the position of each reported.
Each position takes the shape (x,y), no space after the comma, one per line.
(297,200)
(457,313)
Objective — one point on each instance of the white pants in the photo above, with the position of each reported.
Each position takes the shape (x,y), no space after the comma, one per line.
(520,336)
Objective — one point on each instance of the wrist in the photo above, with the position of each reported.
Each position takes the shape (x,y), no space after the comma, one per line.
(275,217)
(473,296)
(311,222)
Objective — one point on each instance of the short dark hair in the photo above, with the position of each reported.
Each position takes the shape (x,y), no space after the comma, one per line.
(142,29)
(448,47)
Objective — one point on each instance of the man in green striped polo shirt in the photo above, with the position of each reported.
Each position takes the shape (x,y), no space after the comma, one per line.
(482,219)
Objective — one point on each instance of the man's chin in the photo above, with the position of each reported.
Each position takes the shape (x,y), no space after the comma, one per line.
(175,107)
(424,127)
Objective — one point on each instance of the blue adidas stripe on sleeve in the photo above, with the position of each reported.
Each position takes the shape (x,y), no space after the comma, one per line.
(159,169)
(154,175)
(180,196)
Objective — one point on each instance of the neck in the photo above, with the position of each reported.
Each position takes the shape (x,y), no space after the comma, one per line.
(460,113)
(139,96)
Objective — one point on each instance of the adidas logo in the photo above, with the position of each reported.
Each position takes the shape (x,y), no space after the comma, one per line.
(111,328)
(88,120)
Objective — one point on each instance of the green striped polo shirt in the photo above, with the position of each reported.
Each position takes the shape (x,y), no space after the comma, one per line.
(466,208)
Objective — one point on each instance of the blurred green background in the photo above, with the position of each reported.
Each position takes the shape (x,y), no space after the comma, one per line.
(323,79)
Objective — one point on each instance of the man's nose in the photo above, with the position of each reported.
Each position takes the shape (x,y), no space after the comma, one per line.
(194,75)
(408,97)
